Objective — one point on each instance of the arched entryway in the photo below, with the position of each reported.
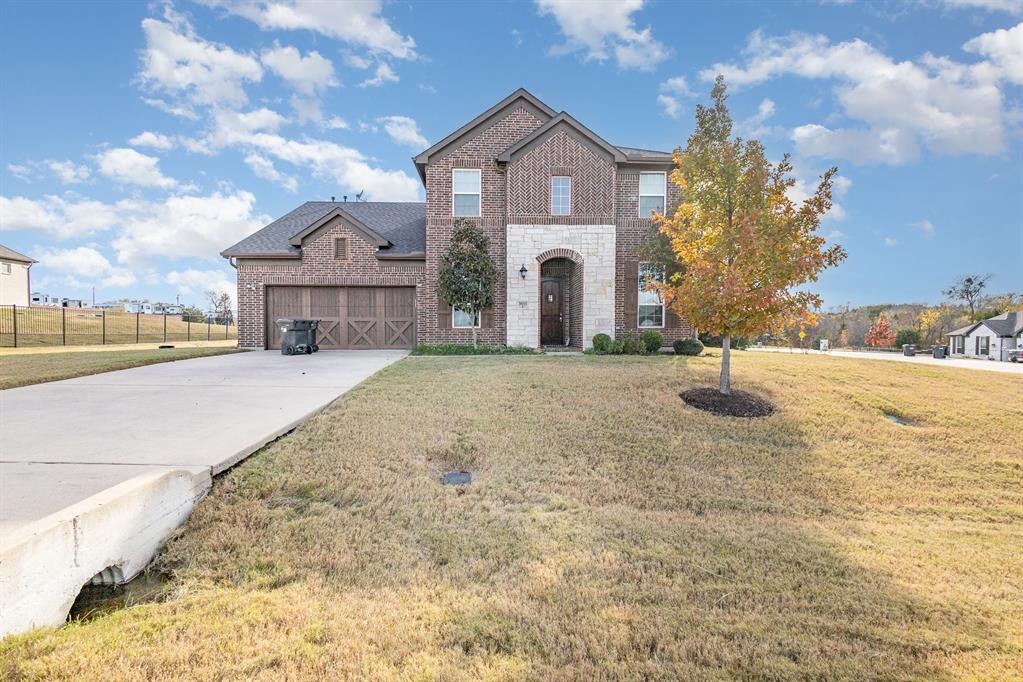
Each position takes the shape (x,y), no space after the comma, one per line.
(561,299)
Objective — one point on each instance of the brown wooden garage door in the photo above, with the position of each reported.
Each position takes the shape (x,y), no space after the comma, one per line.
(352,317)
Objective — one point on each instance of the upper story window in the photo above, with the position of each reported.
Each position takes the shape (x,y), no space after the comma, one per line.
(652,188)
(651,307)
(561,195)
(465,192)
(6,268)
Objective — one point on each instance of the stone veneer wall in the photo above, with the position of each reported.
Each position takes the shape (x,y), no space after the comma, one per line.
(318,266)
(594,243)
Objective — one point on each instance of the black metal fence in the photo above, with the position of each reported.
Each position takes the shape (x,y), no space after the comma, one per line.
(22,326)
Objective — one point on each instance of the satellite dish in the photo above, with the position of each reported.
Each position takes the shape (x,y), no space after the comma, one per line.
(358,197)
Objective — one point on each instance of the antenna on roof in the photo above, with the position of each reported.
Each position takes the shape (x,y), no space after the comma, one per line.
(358,197)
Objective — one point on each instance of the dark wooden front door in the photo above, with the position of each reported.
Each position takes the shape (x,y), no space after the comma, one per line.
(552,328)
(350,317)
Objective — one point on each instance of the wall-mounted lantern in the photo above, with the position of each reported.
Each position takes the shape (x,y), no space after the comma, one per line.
(523,271)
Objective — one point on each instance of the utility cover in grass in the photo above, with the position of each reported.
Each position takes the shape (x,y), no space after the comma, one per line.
(738,404)
(457,478)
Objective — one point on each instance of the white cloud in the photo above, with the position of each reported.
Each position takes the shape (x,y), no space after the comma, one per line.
(404,130)
(603,29)
(56,216)
(1004,51)
(336,123)
(84,266)
(190,69)
(357,22)
(264,168)
(948,107)
(309,75)
(152,140)
(193,282)
(130,167)
(383,74)
(179,226)
(202,226)
(20,171)
(357,61)
(926,227)
(1010,6)
(890,241)
(754,125)
(68,173)
(671,92)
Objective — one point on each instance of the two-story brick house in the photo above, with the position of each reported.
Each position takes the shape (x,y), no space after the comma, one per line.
(565,212)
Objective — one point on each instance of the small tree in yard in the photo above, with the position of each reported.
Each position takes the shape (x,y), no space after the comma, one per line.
(467,273)
(880,334)
(220,306)
(745,245)
(907,337)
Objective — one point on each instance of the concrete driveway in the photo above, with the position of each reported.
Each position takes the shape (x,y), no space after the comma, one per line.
(124,455)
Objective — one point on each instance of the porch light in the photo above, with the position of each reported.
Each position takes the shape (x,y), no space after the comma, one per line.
(523,271)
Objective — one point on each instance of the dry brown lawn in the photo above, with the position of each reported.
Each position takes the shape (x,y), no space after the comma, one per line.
(611,533)
(36,368)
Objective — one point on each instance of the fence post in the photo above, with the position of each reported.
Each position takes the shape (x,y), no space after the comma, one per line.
(165,326)
(63,326)
(209,326)
(103,319)
(137,327)
(225,327)
(188,328)
(14,319)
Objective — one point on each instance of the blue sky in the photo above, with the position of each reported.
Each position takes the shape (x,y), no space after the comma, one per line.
(137,141)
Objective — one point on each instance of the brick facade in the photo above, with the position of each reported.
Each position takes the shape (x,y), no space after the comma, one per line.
(600,236)
(480,152)
(317,266)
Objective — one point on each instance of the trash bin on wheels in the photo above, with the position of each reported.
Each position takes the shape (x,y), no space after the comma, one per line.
(908,349)
(298,336)
(938,351)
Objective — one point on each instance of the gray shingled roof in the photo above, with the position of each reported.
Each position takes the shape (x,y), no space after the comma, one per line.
(1006,324)
(7,253)
(401,223)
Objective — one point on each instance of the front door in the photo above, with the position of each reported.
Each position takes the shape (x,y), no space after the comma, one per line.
(552,329)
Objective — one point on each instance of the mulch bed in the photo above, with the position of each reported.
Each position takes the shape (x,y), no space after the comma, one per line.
(738,404)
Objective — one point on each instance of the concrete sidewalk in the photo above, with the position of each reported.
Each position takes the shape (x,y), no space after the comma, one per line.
(961,363)
(96,471)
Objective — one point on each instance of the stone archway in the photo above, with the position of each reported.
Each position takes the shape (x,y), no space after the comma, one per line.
(560,296)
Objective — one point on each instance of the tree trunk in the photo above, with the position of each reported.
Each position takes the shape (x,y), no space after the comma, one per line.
(726,358)
(474,338)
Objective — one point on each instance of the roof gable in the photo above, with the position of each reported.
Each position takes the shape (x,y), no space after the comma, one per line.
(7,253)
(561,122)
(313,229)
(495,113)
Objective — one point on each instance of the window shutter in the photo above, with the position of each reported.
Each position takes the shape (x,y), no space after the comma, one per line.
(631,294)
(443,315)
(487,318)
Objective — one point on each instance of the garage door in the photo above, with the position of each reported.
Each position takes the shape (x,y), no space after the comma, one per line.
(352,317)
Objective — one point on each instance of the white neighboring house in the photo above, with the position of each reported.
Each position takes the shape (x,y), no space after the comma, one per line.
(14,277)
(990,339)
(138,307)
(167,309)
(45,300)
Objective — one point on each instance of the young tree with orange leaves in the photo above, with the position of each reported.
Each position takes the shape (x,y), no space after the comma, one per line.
(880,334)
(745,245)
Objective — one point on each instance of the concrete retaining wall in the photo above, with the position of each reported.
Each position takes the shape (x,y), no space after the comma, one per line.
(44,565)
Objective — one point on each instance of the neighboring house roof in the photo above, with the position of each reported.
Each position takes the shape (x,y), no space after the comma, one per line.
(632,154)
(7,253)
(402,224)
(1006,324)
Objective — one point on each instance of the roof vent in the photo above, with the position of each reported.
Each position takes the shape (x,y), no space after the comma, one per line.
(332,199)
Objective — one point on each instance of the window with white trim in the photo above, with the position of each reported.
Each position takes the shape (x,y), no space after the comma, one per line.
(7,268)
(959,344)
(463,320)
(652,189)
(465,192)
(983,345)
(651,307)
(561,195)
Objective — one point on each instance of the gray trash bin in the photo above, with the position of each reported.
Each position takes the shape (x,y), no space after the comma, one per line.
(908,349)
(298,336)
(938,351)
